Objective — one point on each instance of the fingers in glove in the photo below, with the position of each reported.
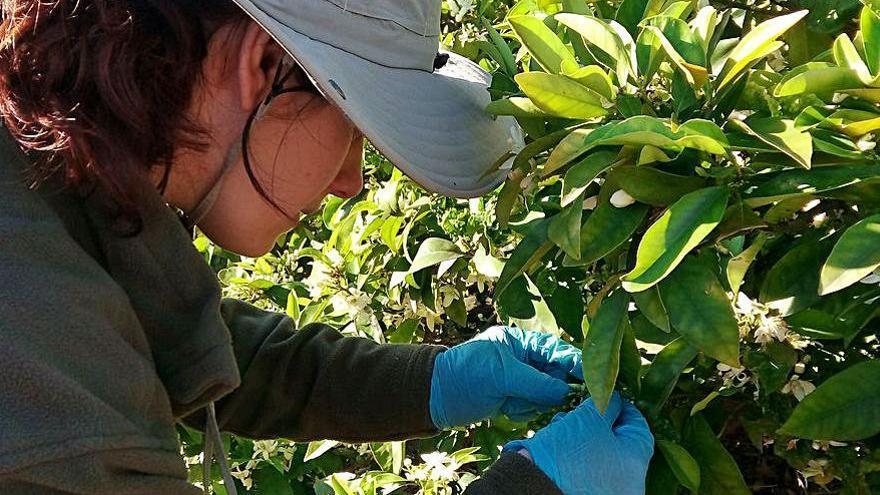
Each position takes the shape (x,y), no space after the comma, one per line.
(525,382)
(632,427)
(552,355)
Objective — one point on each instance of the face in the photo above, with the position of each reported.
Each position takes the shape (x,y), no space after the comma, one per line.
(301,150)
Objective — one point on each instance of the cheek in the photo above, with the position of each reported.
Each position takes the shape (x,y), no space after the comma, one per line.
(296,159)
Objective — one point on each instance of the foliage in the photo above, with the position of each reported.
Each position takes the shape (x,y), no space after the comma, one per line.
(698,205)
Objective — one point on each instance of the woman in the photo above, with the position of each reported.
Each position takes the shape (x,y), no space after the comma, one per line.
(112,325)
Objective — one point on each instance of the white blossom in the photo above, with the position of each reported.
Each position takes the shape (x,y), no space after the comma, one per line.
(798,388)
(622,199)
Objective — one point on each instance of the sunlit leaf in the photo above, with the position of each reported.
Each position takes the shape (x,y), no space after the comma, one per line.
(855,256)
(844,407)
(684,225)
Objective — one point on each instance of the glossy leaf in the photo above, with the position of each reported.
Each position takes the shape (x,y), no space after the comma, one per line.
(700,311)
(870,23)
(641,130)
(434,251)
(847,55)
(739,265)
(685,467)
(565,228)
(546,48)
(594,78)
(608,226)
(601,348)
(562,97)
(651,305)
(719,474)
(681,228)
(581,174)
(782,135)
(844,407)
(655,187)
(757,44)
(792,284)
(663,374)
(855,256)
(794,183)
(599,33)
(516,106)
(528,252)
(818,81)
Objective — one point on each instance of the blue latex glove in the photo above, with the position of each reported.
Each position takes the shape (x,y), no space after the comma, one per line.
(508,370)
(584,452)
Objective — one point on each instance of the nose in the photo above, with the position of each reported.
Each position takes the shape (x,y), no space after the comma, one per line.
(350,180)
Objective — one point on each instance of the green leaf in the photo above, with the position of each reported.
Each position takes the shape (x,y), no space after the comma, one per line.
(546,48)
(581,174)
(319,448)
(818,81)
(594,78)
(782,135)
(599,33)
(757,44)
(562,97)
(508,61)
(854,257)
(719,474)
(608,226)
(678,42)
(739,265)
(516,106)
(486,264)
(389,233)
(655,187)
(528,252)
(846,55)
(700,310)
(685,467)
(871,34)
(602,348)
(640,130)
(630,359)
(434,251)
(651,305)
(663,374)
(631,12)
(844,407)
(565,228)
(523,305)
(389,455)
(796,183)
(681,228)
(793,282)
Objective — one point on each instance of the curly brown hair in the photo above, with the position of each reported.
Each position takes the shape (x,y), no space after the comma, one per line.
(96,91)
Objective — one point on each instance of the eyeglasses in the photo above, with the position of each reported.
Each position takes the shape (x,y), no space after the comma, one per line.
(287,69)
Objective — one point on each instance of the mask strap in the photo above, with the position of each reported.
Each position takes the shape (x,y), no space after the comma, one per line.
(285,70)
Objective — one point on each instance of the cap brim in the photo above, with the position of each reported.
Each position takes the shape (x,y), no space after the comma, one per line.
(433,126)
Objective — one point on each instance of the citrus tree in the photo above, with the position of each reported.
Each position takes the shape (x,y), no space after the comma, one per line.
(697,206)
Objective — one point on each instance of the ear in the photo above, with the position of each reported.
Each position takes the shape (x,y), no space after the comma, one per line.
(258,59)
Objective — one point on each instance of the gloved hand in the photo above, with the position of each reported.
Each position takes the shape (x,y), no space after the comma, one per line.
(584,452)
(505,370)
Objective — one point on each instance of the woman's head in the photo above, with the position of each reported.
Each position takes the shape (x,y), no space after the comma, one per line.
(106,91)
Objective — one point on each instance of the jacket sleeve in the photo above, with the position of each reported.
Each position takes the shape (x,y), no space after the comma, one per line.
(513,474)
(313,383)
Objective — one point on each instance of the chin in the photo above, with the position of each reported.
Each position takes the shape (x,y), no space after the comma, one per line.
(252,246)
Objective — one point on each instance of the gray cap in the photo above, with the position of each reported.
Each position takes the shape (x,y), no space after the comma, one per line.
(375,59)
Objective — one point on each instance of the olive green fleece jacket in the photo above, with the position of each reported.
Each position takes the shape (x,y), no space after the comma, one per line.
(106,341)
